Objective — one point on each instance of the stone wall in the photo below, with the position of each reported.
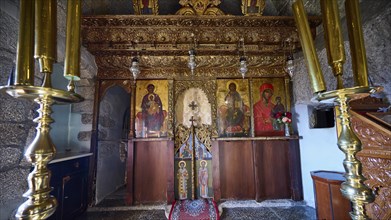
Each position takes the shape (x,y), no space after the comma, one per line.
(111,143)
(17,129)
(377,37)
(16,126)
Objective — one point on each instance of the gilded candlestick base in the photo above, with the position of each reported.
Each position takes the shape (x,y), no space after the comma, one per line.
(34,92)
(40,204)
(353,188)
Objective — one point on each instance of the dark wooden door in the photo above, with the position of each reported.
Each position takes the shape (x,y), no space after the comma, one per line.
(272,170)
(236,170)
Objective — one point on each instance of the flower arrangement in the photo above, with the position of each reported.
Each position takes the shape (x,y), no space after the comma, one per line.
(283,117)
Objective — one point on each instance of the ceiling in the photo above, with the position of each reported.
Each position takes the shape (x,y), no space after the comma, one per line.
(170,7)
(163,41)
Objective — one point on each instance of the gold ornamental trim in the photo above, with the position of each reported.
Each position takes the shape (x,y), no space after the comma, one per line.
(130,32)
(199,7)
(183,21)
(162,44)
(178,62)
(185,74)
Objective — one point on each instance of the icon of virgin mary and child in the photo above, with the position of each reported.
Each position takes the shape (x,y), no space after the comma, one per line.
(152,111)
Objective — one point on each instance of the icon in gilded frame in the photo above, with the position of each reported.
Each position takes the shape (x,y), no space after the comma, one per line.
(151,108)
(269,97)
(233,108)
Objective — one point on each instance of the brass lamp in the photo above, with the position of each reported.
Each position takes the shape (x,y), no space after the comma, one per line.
(242,60)
(192,54)
(353,188)
(192,64)
(289,65)
(41,29)
(134,68)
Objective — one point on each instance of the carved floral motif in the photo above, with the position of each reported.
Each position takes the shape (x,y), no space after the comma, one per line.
(376,162)
(149,62)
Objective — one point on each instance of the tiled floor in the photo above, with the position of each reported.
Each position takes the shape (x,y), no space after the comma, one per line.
(113,207)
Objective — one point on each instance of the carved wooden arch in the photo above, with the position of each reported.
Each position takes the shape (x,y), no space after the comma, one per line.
(208,87)
(107,84)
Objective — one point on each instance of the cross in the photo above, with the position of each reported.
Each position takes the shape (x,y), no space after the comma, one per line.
(193,105)
(192,120)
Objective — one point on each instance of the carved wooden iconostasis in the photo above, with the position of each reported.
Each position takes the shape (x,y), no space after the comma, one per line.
(215,99)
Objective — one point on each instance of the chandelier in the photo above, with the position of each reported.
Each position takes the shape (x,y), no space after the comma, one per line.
(135,68)
(192,63)
(242,60)
(289,63)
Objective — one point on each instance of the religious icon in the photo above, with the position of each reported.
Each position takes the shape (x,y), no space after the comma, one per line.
(193,155)
(152,109)
(278,108)
(203,179)
(182,176)
(269,98)
(253,7)
(145,7)
(151,104)
(233,108)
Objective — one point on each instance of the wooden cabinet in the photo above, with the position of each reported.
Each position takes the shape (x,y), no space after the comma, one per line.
(242,168)
(257,168)
(69,182)
(236,170)
(329,201)
(150,171)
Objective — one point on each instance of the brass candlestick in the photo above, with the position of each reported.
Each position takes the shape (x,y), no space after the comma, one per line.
(40,204)
(353,188)
(40,15)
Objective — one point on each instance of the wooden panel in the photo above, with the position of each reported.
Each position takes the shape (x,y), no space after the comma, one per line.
(295,170)
(170,173)
(330,203)
(129,173)
(272,169)
(341,205)
(376,162)
(150,172)
(236,170)
(323,201)
(216,171)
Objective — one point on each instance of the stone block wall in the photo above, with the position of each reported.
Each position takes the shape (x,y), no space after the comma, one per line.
(16,126)
(377,37)
(111,143)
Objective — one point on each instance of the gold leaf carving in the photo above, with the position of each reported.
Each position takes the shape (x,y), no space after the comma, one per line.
(203,133)
(199,7)
(181,135)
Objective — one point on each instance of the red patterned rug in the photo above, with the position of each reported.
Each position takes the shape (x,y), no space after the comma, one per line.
(200,209)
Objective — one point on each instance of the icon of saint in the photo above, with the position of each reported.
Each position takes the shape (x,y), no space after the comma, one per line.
(263,120)
(203,179)
(182,176)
